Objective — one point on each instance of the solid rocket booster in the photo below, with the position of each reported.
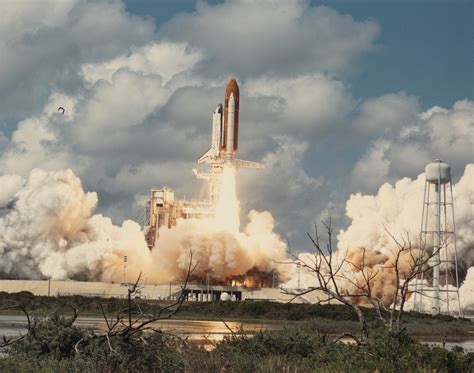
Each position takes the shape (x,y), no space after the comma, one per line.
(230,128)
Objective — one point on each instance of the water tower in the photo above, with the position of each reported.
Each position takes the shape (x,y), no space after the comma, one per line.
(437,287)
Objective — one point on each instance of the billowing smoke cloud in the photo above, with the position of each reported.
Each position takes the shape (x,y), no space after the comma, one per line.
(10,185)
(361,273)
(396,210)
(367,246)
(466,292)
(224,253)
(50,231)
(370,269)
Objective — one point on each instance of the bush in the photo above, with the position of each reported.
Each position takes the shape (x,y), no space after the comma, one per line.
(286,350)
(289,343)
(52,337)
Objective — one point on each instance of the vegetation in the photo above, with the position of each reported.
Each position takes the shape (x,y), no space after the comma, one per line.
(130,343)
(351,279)
(57,345)
(330,318)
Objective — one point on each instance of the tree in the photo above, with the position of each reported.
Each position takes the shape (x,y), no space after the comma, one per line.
(403,264)
(326,268)
(353,277)
(125,325)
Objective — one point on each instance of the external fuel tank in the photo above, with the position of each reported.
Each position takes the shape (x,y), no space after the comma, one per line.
(230,134)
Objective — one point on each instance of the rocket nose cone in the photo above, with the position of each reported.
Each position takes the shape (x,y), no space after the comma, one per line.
(232,87)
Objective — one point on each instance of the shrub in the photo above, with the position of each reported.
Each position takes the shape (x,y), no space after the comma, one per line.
(56,345)
(52,337)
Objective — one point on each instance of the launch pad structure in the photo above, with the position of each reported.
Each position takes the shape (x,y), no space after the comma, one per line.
(169,291)
(163,210)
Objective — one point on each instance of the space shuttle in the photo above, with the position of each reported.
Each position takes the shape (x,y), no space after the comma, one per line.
(225,132)
(214,152)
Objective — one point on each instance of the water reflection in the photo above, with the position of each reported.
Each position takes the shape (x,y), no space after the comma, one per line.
(202,332)
(12,325)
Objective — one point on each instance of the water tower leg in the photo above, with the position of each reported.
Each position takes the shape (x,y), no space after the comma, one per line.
(436,248)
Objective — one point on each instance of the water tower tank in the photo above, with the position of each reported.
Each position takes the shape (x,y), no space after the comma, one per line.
(438,171)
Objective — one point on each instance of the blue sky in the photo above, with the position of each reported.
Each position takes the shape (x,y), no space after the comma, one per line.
(426,47)
(338,97)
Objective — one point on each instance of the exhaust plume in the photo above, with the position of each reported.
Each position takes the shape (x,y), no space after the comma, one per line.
(218,247)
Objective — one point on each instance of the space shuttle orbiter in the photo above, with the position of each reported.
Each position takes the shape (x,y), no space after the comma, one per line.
(214,151)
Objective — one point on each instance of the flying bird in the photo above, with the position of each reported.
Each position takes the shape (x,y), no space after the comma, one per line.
(61,109)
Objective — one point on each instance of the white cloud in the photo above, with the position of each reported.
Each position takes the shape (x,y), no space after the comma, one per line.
(372,170)
(387,113)
(121,104)
(303,105)
(285,189)
(162,59)
(281,37)
(43,43)
(33,143)
(413,142)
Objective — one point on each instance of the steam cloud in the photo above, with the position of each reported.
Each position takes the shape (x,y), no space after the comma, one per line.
(395,210)
(48,230)
(225,253)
